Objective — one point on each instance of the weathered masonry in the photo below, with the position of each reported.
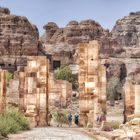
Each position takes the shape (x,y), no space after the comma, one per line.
(3,85)
(92,84)
(33,90)
(132,102)
(60,92)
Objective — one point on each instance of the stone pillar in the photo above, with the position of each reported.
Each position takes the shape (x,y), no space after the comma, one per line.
(137,101)
(103,92)
(3,85)
(92,82)
(136,120)
(129,93)
(127,89)
(21,91)
(33,91)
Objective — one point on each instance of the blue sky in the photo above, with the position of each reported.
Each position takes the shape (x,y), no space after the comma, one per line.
(39,12)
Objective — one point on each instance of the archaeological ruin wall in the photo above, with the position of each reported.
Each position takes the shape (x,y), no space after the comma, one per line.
(3,85)
(92,84)
(33,90)
(60,92)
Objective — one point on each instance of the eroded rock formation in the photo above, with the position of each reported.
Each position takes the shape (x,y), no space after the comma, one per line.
(73,33)
(18,38)
(127,33)
(62,42)
(17,35)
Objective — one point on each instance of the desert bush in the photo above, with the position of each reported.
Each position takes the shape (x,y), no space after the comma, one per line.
(112,85)
(115,124)
(60,116)
(18,117)
(12,121)
(9,76)
(64,73)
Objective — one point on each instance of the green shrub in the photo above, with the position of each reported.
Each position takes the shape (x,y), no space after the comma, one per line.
(8,125)
(11,121)
(18,117)
(115,124)
(9,76)
(60,116)
(112,85)
(64,73)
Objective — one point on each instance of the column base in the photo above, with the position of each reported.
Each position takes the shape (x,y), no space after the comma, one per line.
(32,119)
(83,119)
(42,119)
(90,118)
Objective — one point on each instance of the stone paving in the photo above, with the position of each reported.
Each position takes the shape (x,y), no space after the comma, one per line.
(50,133)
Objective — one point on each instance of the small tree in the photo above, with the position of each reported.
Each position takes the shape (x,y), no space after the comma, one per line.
(65,73)
(112,85)
(10,76)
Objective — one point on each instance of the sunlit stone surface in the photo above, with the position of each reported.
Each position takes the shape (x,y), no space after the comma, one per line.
(60,92)
(33,92)
(3,85)
(129,90)
(92,83)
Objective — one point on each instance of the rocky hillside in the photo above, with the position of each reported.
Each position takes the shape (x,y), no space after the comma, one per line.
(17,35)
(62,42)
(127,33)
(73,33)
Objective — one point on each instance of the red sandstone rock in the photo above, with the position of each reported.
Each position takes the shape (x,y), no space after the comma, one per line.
(17,35)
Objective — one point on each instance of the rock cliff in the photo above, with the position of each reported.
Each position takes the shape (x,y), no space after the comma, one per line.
(17,35)
(73,33)
(127,33)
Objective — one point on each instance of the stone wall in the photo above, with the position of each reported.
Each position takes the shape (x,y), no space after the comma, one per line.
(13,92)
(60,92)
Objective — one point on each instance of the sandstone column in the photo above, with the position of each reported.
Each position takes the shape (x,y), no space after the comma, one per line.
(3,84)
(129,93)
(136,120)
(34,90)
(137,101)
(103,91)
(21,91)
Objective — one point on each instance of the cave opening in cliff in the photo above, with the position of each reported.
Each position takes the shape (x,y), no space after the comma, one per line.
(56,64)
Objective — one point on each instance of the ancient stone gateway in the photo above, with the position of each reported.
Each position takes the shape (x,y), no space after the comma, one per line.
(33,90)
(92,83)
(3,85)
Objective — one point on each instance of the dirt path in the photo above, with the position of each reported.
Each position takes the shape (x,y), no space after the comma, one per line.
(50,133)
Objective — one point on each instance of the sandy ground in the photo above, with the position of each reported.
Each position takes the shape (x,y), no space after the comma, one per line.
(50,133)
